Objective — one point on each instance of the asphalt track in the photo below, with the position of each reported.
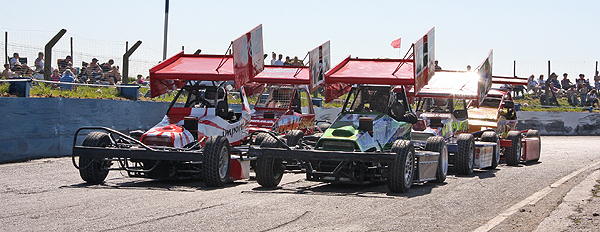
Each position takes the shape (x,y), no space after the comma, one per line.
(48,194)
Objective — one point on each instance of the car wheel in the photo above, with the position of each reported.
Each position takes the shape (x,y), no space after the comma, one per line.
(401,171)
(465,156)
(269,171)
(92,170)
(492,137)
(513,153)
(293,137)
(438,144)
(216,162)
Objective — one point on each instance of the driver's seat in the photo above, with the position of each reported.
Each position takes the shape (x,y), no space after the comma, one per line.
(222,109)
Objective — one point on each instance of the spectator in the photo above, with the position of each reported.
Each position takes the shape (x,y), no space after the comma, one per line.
(572,96)
(113,76)
(597,84)
(140,80)
(596,78)
(555,91)
(107,67)
(55,75)
(7,73)
(580,82)
(82,75)
(583,91)
(274,58)
(592,98)
(279,62)
(532,85)
(541,82)
(468,68)
(437,67)
(26,71)
(67,77)
(15,64)
(39,63)
(287,62)
(565,82)
(66,63)
(94,72)
(554,79)
(296,62)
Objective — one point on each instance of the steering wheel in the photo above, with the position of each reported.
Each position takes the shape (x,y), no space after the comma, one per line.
(200,100)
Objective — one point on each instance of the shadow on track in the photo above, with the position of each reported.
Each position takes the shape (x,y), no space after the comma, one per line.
(180,185)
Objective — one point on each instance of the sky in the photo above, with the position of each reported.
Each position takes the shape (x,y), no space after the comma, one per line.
(528,32)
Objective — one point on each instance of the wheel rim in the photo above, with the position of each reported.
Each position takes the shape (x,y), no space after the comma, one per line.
(444,160)
(497,151)
(276,169)
(519,152)
(471,156)
(408,168)
(223,163)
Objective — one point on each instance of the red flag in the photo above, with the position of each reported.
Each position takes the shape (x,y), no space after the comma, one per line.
(396,43)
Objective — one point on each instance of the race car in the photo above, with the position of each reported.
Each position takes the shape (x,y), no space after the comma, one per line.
(201,137)
(497,112)
(284,106)
(370,139)
(441,107)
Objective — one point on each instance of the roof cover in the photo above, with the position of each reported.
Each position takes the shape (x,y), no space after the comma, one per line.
(372,71)
(450,84)
(283,75)
(173,73)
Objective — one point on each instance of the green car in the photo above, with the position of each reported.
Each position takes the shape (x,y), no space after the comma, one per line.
(370,141)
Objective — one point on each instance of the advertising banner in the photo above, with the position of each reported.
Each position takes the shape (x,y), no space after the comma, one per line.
(485,77)
(424,55)
(320,62)
(248,59)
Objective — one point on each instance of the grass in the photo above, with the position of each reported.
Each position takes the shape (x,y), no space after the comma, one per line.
(528,103)
(532,103)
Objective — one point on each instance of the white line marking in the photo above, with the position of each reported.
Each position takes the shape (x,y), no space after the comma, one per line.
(534,198)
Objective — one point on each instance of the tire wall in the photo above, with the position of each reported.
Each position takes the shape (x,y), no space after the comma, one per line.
(44,127)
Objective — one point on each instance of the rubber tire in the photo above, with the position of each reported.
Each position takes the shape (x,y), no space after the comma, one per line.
(324,126)
(96,172)
(532,134)
(401,172)
(438,144)
(269,171)
(259,138)
(492,137)
(216,162)
(293,137)
(535,134)
(466,153)
(513,153)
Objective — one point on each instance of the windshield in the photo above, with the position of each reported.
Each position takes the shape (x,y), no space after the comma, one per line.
(370,99)
(276,97)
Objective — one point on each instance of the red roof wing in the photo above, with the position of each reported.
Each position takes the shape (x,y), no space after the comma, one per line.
(172,73)
(509,80)
(372,71)
(450,84)
(283,75)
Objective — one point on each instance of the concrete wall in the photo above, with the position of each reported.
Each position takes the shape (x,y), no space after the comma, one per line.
(560,123)
(44,127)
